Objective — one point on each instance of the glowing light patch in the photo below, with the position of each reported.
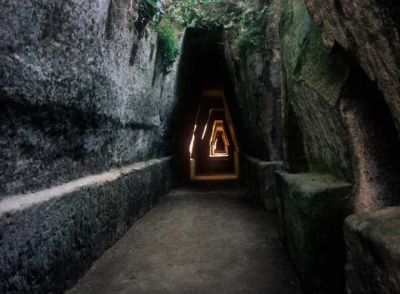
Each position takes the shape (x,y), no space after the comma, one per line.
(192,142)
(205,131)
(218,145)
(210,113)
(219,132)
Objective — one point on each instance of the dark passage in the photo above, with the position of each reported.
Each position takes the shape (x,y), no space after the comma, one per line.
(213,149)
(202,116)
(275,124)
(209,239)
(212,237)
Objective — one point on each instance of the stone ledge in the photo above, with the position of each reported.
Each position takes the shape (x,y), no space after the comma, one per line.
(14,203)
(312,209)
(373,252)
(259,177)
(50,238)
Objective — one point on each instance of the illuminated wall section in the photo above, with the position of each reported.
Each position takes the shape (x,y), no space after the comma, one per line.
(213,148)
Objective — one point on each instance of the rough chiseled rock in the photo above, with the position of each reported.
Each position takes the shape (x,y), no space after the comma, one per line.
(259,177)
(373,252)
(365,34)
(313,81)
(341,68)
(81,90)
(48,239)
(369,31)
(312,209)
(256,79)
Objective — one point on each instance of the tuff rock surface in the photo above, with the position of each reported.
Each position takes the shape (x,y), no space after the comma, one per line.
(312,208)
(255,75)
(373,252)
(340,67)
(81,88)
(259,177)
(50,238)
(315,136)
(369,31)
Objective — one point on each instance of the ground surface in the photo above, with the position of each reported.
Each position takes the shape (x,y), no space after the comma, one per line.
(197,240)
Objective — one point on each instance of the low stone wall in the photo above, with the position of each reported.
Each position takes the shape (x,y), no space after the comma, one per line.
(50,238)
(373,252)
(312,209)
(259,178)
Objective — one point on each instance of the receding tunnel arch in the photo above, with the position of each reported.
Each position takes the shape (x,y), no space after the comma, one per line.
(202,70)
(213,150)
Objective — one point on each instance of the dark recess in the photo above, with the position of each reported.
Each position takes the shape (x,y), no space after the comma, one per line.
(202,67)
(374,139)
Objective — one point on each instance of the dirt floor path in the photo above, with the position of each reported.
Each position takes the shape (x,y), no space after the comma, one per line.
(197,240)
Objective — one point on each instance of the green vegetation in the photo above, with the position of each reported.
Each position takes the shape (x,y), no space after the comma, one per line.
(246,22)
(251,29)
(148,9)
(168,42)
(242,17)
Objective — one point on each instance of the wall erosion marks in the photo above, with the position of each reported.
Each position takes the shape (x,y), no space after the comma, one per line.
(375,143)
(45,146)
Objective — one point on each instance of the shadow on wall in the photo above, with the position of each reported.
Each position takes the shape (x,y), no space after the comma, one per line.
(375,142)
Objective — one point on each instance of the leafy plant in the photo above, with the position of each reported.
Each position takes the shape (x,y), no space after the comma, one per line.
(209,14)
(241,17)
(148,8)
(151,10)
(168,42)
(251,29)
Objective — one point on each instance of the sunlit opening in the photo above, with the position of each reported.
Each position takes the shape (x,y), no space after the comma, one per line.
(219,143)
(213,148)
(192,141)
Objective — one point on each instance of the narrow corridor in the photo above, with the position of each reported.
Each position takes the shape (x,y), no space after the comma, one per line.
(197,240)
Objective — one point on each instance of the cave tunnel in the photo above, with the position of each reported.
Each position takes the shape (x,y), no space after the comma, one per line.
(203,133)
(176,146)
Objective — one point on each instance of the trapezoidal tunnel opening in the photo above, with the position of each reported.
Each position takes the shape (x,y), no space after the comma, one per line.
(203,134)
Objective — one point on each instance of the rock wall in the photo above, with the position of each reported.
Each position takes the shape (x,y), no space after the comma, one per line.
(256,78)
(366,35)
(81,90)
(255,75)
(340,64)
(311,209)
(85,104)
(259,178)
(313,82)
(373,252)
(314,197)
(369,31)
(50,238)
